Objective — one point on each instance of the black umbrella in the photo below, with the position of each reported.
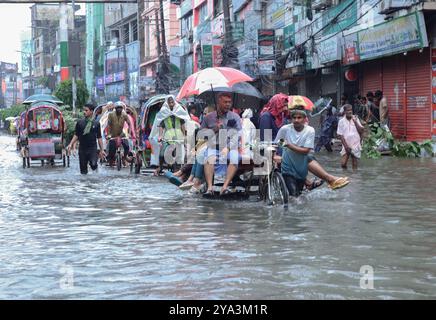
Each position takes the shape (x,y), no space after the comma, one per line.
(245,95)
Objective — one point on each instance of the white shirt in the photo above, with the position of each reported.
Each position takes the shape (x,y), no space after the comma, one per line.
(347,129)
(304,138)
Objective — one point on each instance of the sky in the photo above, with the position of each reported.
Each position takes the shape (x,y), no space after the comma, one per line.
(15,18)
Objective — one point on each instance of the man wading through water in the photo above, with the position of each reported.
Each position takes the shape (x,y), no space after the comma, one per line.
(87,132)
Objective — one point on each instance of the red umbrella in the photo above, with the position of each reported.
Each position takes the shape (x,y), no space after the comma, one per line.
(211,78)
(294,101)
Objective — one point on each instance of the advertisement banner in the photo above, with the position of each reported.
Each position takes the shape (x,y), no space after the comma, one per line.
(218,26)
(266,67)
(399,35)
(217,56)
(350,49)
(265,43)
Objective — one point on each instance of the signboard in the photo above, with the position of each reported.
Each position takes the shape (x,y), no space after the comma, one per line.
(350,49)
(265,43)
(266,67)
(217,55)
(114,77)
(8,67)
(238,30)
(433,89)
(399,35)
(278,18)
(344,21)
(69,1)
(328,50)
(289,36)
(218,26)
(206,59)
(99,83)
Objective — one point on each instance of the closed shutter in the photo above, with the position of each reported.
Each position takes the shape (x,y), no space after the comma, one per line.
(418,94)
(394,78)
(372,79)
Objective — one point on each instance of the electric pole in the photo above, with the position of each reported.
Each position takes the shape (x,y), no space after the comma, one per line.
(229,51)
(74,66)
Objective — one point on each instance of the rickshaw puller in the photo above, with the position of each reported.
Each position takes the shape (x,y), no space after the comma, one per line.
(116,121)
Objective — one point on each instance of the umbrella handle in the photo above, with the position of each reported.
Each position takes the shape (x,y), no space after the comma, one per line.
(213,95)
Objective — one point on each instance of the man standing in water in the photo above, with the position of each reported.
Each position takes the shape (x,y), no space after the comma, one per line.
(349,131)
(87,132)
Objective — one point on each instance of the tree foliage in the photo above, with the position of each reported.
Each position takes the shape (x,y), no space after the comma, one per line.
(13,111)
(64,91)
(381,139)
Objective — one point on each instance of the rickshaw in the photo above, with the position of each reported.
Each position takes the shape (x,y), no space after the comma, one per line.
(259,176)
(43,132)
(147,116)
(134,160)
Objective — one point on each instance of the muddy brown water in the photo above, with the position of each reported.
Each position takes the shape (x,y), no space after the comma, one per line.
(114,235)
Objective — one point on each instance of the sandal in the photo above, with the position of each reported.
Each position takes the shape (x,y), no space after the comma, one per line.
(225,192)
(186,185)
(315,184)
(339,183)
(208,193)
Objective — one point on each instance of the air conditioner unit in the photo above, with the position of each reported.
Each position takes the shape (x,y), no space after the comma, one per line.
(389,6)
(318,5)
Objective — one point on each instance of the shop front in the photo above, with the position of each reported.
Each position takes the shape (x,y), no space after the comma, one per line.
(394,58)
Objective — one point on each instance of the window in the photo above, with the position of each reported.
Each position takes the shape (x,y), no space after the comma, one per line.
(217,7)
(202,12)
(37,62)
(133,25)
(186,25)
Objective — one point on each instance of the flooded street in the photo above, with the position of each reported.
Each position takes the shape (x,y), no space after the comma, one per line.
(114,235)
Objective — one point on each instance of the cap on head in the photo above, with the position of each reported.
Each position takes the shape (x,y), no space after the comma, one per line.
(119,104)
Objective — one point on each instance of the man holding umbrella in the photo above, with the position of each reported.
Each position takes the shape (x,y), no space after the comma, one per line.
(226,123)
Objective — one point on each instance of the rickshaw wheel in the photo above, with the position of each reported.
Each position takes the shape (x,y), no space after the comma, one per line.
(24,163)
(279,191)
(28,162)
(118,160)
(68,161)
(138,163)
(64,161)
(42,163)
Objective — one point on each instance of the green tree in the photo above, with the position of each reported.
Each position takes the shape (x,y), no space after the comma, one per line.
(64,91)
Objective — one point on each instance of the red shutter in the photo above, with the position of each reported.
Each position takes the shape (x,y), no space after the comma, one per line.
(418,93)
(372,79)
(394,78)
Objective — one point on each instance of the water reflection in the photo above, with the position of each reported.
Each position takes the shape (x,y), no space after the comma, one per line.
(128,237)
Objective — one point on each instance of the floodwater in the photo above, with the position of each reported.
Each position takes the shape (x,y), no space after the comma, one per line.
(114,235)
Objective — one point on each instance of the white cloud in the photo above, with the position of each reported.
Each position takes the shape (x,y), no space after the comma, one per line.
(14,18)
